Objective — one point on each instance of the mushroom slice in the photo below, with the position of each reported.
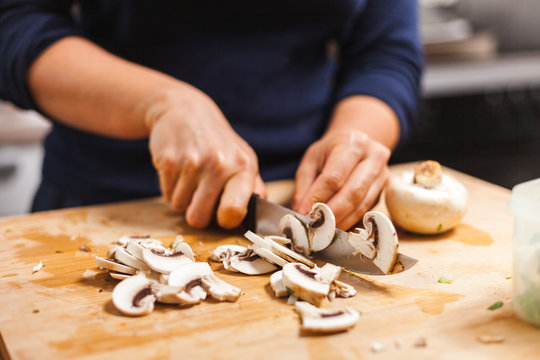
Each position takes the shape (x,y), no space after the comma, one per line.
(342,289)
(361,242)
(328,273)
(164,261)
(249,263)
(136,248)
(134,296)
(279,239)
(188,278)
(325,321)
(381,233)
(220,289)
(323,227)
(303,283)
(167,294)
(278,249)
(118,275)
(179,239)
(103,263)
(112,251)
(126,258)
(269,256)
(276,283)
(292,228)
(224,251)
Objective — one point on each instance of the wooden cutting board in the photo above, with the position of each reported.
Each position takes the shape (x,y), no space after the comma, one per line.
(57,313)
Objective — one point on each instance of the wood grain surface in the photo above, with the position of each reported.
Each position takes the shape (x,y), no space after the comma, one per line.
(56,313)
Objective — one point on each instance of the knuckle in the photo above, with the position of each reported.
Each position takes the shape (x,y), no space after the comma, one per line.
(334,180)
(191,161)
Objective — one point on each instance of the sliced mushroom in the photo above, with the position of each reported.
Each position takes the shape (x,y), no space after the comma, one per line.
(361,241)
(323,227)
(328,273)
(111,252)
(167,294)
(278,249)
(119,276)
(126,258)
(220,289)
(325,321)
(103,263)
(426,201)
(279,239)
(134,296)
(179,239)
(342,289)
(269,256)
(164,261)
(304,284)
(380,232)
(293,229)
(276,283)
(249,264)
(188,278)
(224,251)
(136,248)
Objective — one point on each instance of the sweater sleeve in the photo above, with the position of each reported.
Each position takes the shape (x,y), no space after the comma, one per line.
(381,57)
(27,28)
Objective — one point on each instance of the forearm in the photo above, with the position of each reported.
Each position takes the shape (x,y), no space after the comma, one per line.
(79,84)
(368,115)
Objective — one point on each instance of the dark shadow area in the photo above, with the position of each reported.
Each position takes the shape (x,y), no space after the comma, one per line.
(494,136)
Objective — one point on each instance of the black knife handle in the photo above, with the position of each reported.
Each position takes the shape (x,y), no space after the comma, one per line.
(250,221)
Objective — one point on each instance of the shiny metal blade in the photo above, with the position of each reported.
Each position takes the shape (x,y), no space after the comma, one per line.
(264,216)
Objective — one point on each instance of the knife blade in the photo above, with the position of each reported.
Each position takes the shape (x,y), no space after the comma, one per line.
(263,218)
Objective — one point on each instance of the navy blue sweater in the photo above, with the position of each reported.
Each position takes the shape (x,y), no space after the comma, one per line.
(266,63)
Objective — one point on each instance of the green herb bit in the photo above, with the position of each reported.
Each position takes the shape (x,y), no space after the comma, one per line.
(9,230)
(289,290)
(444,280)
(496,305)
(351,272)
(439,227)
(35,311)
(171,245)
(508,277)
(107,279)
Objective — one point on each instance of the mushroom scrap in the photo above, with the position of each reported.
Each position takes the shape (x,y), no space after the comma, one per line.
(426,201)
(150,272)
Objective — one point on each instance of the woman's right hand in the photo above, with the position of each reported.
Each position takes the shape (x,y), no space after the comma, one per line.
(203,165)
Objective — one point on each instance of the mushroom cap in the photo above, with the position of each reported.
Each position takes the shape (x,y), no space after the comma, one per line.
(293,229)
(304,284)
(322,230)
(418,209)
(276,283)
(384,238)
(325,321)
(134,296)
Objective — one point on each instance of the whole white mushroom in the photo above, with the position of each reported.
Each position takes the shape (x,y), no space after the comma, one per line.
(426,201)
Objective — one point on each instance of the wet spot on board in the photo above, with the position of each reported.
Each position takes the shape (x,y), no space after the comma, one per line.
(45,244)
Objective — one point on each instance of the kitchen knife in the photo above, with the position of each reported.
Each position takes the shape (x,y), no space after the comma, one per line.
(263,218)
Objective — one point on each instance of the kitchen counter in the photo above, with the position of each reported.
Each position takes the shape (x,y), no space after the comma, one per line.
(57,313)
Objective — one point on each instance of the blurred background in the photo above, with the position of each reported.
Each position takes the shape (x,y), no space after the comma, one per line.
(480,112)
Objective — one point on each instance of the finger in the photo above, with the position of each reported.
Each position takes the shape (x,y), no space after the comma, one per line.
(234,200)
(260,187)
(167,181)
(370,199)
(203,203)
(305,176)
(184,189)
(337,169)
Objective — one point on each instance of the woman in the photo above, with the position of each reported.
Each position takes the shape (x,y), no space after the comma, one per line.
(202,100)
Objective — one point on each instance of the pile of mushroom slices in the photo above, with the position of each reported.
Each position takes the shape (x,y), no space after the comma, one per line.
(151,272)
(300,278)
